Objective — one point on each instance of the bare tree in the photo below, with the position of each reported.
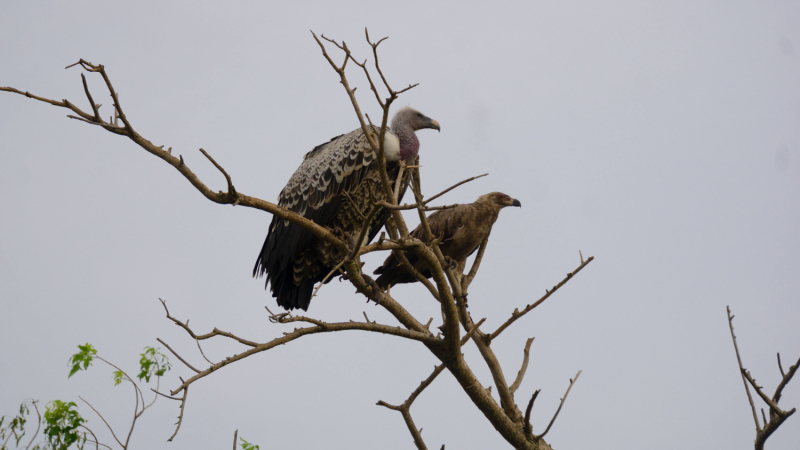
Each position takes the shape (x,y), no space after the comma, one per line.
(448,288)
(776,415)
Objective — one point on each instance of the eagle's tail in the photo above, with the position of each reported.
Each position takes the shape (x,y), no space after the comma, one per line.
(391,273)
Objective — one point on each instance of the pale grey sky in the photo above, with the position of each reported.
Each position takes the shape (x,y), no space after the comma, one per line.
(660,137)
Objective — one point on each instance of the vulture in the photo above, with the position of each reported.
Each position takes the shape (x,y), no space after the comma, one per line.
(462,229)
(332,187)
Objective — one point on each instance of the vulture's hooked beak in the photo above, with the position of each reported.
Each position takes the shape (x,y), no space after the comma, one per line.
(435,125)
(516,203)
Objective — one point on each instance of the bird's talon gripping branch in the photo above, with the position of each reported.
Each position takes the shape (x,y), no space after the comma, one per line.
(372,291)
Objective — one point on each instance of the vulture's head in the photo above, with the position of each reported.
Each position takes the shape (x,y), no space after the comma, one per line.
(410,118)
(498,200)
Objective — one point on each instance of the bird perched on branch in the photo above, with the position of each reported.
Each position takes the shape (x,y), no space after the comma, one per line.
(332,187)
(462,229)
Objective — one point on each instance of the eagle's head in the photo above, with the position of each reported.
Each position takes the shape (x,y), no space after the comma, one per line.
(499,200)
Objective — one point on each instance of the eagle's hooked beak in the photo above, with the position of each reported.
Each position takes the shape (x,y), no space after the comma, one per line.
(435,125)
(516,203)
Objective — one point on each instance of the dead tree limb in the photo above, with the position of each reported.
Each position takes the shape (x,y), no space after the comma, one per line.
(517,314)
(776,415)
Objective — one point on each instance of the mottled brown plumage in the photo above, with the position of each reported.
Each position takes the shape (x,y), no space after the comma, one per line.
(332,187)
(462,228)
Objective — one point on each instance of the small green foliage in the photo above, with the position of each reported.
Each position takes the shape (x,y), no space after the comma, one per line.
(61,423)
(14,426)
(119,377)
(83,358)
(248,446)
(152,363)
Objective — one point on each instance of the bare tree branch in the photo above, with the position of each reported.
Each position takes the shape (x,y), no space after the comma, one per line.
(776,415)
(741,370)
(466,280)
(405,407)
(177,355)
(180,415)
(104,421)
(759,390)
(38,425)
(527,423)
(571,382)
(231,197)
(787,377)
(521,374)
(214,332)
(453,187)
(517,314)
(231,189)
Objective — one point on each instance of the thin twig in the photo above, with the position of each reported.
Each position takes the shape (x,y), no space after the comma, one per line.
(231,189)
(91,100)
(235,436)
(467,279)
(177,355)
(786,379)
(517,314)
(201,351)
(453,187)
(527,423)
(96,442)
(327,277)
(165,395)
(399,181)
(773,406)
(521,374)
(38,424)
(571,383)
(362,233)
(742,371)
(104,421)
(214,332)
(180,416)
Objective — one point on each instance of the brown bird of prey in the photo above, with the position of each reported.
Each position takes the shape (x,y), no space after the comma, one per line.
(332,187)
(462,229)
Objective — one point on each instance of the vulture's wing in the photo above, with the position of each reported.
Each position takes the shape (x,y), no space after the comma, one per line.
(314,191)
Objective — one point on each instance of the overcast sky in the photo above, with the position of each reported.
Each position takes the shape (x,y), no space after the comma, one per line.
(660,137)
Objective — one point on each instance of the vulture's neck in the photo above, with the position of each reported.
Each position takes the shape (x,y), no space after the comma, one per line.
(409,144)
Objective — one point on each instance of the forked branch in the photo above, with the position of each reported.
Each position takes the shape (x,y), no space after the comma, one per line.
(560,405)
(776,415)
(230,197)
(405,407)
(517,314)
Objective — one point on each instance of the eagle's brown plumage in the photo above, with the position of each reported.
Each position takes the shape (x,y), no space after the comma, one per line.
(292,258)
(463,228)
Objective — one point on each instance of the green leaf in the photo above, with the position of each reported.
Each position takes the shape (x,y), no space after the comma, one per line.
(61,423)
(15,427)
(83,358)
(247,446)
(119,377)
(152,362)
